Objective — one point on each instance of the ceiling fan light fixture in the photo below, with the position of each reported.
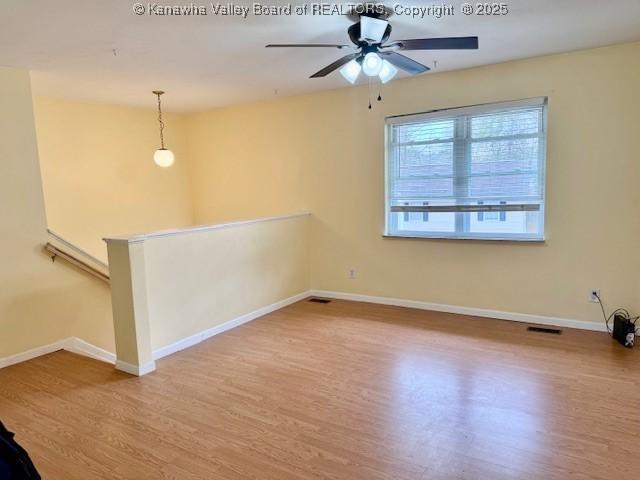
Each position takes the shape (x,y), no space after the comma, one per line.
(351,71)
(387,72)
(370,34)
(372,64)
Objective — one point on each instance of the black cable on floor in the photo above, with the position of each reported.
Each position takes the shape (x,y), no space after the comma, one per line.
(622,311)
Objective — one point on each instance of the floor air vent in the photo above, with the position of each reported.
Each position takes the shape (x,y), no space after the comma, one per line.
(319,300)
(553,331)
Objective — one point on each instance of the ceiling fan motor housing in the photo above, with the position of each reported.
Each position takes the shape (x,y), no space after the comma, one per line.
(370,33)
(355,35)
(369,9)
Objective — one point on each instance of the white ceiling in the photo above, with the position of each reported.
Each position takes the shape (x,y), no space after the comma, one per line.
(207,61)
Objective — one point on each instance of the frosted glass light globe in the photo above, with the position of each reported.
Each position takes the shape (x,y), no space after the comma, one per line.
(387,72)
(372,64)
(351,71)
(164,158)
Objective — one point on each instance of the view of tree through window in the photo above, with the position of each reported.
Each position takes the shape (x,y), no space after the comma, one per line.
(474,172)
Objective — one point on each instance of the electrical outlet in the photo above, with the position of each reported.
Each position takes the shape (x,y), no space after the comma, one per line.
(351,274)
(594,293)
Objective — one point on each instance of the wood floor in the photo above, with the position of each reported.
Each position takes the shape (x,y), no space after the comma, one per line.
(342,390)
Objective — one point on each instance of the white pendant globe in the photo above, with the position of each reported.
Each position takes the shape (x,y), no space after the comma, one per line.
(372,64)
(164,158)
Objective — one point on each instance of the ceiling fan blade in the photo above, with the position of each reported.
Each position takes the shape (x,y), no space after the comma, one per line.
(447,43)
(306,45)
(405,63)
(372,29)
(335,65)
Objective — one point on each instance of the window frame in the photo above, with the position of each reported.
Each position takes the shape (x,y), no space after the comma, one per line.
(455,114)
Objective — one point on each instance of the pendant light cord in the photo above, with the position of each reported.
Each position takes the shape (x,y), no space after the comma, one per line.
(160,121)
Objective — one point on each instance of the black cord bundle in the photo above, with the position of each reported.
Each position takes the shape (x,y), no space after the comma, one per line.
(622,311)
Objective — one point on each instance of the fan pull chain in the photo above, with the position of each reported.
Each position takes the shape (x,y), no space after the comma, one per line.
(369,93)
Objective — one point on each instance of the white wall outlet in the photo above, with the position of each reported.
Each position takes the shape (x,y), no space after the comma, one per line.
(594,293)
(351,274)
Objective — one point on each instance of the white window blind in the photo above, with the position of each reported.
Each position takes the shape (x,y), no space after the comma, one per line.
(474,172)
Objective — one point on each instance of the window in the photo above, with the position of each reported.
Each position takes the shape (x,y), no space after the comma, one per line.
(473,173)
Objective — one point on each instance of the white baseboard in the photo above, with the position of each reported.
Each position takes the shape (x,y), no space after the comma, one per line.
(210,332)
(136,370)
(476,312)
(79,346)
(34,353)
(76,345)
(71,344)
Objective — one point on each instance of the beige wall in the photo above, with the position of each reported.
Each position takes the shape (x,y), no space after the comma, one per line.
(40,301)
(325,152)
(250,161)
(200,279)
(98,174)
(130,306)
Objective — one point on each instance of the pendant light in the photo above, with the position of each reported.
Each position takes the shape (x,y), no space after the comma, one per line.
(163,156)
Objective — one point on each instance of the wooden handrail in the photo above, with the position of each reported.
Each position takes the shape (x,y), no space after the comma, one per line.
(71,249)
(56,252)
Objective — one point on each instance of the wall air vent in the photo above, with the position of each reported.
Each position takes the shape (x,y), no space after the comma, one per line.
(320,300)
(553,331)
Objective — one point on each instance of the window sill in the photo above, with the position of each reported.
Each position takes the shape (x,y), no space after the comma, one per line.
(477,239)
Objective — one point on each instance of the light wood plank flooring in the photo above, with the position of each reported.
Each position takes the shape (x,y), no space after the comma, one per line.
(341,391)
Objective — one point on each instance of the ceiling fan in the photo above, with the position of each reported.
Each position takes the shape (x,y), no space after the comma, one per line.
(374,56)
